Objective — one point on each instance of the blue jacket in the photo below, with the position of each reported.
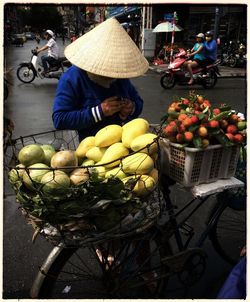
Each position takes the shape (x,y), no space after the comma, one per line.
(210,50)
(235,285)
(77,105)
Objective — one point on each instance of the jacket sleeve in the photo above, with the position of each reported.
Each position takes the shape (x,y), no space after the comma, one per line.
(68,112)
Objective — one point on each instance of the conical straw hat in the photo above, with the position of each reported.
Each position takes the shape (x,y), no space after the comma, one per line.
(107,50)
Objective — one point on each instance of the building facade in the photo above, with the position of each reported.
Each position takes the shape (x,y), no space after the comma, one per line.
(227,21)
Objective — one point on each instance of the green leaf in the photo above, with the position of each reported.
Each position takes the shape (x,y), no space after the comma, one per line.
(201,116)
(197,142)
(183,106)
(223,139)
(173,114)
(213,131)
(164,117)
(192,128)
(221,116)
(225,108)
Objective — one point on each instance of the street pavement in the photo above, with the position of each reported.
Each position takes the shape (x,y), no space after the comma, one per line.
(30,107)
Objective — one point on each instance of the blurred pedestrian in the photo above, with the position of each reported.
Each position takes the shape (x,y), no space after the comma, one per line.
(38,38)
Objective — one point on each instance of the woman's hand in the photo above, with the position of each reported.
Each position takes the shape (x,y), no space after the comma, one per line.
(126,109)
(111,105)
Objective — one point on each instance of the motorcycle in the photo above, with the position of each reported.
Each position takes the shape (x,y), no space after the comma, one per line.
(27,71)
(227,54)
(175,73)
(240,55)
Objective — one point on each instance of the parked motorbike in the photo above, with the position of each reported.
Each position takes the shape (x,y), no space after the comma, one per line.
(27,71)
(175,73)
(240,55)
(233,54)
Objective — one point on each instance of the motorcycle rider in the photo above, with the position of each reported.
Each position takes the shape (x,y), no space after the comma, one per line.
(198,56)
(53,51)
(210,48)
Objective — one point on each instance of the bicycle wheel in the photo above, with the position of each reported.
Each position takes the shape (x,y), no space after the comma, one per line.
(115,269)
(25,74)
(229,234)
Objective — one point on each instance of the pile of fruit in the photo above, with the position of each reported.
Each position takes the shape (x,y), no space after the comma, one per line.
(193,122)
(115,166)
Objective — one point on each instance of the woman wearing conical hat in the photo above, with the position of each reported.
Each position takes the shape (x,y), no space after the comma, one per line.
(96,90)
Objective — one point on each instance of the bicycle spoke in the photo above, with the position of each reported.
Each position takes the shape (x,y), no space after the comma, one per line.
(119,268)
(229,234)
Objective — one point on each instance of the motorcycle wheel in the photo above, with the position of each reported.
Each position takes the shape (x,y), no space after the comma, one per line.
(25,74)
(211,79)
(232,62)
(168,81)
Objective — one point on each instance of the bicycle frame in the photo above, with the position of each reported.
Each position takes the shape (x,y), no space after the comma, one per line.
(181,226)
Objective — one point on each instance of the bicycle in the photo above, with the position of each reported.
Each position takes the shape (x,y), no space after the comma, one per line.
(125,276)
(139,264)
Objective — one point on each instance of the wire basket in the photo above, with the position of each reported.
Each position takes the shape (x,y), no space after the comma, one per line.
(193,166)
(92,211)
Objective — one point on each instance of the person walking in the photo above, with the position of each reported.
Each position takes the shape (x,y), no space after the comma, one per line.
(96,90)
(53,51)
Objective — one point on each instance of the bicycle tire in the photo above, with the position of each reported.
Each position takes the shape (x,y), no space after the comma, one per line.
(122,281)
(228,234)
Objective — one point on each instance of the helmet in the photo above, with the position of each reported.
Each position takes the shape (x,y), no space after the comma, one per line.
(200,35)
(209,33)
(49,32)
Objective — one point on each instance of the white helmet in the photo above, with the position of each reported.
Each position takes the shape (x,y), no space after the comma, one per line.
(50,32)
(200,35)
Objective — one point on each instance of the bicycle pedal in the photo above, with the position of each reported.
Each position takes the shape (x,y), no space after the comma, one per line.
(177,262)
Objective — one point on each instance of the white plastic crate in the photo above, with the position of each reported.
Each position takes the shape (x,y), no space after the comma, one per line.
(193,166)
